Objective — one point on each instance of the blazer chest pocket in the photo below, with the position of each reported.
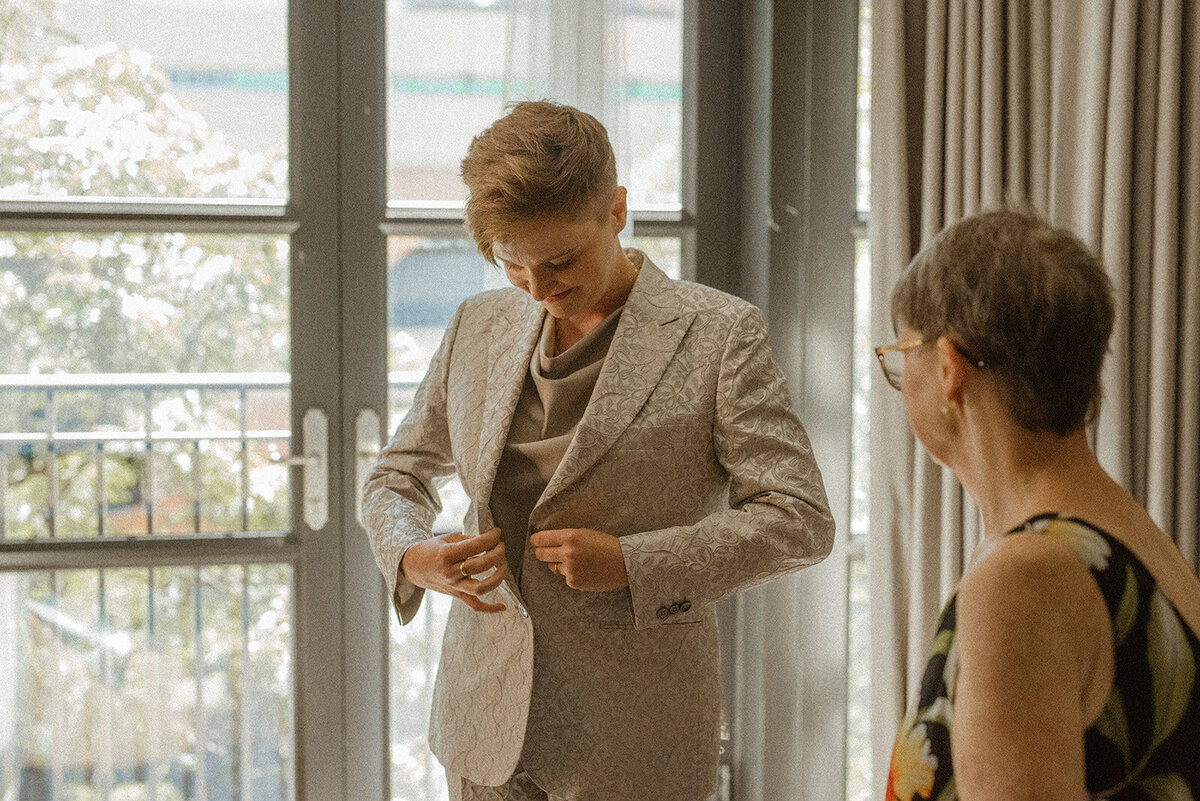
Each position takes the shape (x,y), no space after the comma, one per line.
(651,438)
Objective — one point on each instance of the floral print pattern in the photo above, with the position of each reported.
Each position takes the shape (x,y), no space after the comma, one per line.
(913,764)
(1145,746)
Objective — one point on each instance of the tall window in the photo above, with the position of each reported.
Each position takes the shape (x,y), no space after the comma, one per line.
(189,211)
(860,784)
(439,97)
(128,419)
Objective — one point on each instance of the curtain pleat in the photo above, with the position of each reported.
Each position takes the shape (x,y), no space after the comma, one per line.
(1187,487)
(1090,113)
(955,122)
(1017,100)
(1141,254)
(1116,238)
(935,173)
(901,119)
(991,165)
(972,131)
(1164,274)
(1040,77)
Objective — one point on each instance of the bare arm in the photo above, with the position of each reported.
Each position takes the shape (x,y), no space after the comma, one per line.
(1036,659)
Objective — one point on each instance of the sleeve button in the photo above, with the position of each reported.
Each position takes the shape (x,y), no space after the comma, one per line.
(685,606)
(662,613)
(674,610)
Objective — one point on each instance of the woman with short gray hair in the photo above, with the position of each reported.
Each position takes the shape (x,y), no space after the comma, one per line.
(1065,664)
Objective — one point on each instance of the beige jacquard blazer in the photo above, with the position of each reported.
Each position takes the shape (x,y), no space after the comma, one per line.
(689,452)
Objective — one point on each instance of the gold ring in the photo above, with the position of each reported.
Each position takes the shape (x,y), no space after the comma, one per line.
(554,567)
(462,568)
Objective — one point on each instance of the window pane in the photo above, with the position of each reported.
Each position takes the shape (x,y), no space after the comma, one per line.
(864,370)
(126,407)
(168,682)
(415,652)
(144,98)
(427,280)
(863,194)
(664,251)
(859,784)
(449,62)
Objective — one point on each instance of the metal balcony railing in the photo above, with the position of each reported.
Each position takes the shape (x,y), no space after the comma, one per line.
(234,722)
(156,415)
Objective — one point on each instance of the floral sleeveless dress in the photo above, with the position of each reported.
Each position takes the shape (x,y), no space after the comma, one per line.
(1145,746)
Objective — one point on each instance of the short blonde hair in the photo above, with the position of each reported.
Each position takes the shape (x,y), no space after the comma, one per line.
(1026,298)
(540,159)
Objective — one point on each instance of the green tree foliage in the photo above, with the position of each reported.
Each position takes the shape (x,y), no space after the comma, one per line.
(102,122)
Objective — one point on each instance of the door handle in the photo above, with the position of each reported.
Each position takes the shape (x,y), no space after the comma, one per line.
(315,465)
(367,447)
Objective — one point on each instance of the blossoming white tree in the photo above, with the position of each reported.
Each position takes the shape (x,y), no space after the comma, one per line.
(103,122)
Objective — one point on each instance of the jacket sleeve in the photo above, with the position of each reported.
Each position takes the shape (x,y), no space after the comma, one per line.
(400,497)
(778,519)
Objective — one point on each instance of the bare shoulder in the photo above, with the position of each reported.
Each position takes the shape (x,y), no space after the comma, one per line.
(1028,572)
(1035,661)
(1032,605)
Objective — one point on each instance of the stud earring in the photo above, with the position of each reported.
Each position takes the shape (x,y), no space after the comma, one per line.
(945,410)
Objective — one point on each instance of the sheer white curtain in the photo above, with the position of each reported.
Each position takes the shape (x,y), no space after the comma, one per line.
(573,52)
(1089,110)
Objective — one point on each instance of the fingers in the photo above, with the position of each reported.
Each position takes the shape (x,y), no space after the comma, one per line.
(554,545)
(482,557)
(550,538)
(555,554)
(479,586)
(477,604)
(481,563)
(459,547)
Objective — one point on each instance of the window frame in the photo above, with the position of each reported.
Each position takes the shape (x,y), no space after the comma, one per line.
(763,131)
(308,217)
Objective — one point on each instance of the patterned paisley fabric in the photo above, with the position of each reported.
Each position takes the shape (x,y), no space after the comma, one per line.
(1145,746)
(689,452)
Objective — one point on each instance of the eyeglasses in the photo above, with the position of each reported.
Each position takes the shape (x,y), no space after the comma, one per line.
(891,360)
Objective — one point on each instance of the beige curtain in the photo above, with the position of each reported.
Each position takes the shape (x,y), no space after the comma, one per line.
(1089,110)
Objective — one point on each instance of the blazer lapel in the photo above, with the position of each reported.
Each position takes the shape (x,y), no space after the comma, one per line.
(646,339)
(513,338)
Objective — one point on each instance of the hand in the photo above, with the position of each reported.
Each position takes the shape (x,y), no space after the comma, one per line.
(449,564)
(589,560)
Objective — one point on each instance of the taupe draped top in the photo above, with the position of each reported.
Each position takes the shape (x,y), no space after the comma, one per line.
(556,393)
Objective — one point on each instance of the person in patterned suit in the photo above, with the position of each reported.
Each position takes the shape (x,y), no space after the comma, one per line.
(1065,664)
(631,456)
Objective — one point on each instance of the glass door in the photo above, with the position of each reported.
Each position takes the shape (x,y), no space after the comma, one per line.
(441,72)
(168,407)
(230,236)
